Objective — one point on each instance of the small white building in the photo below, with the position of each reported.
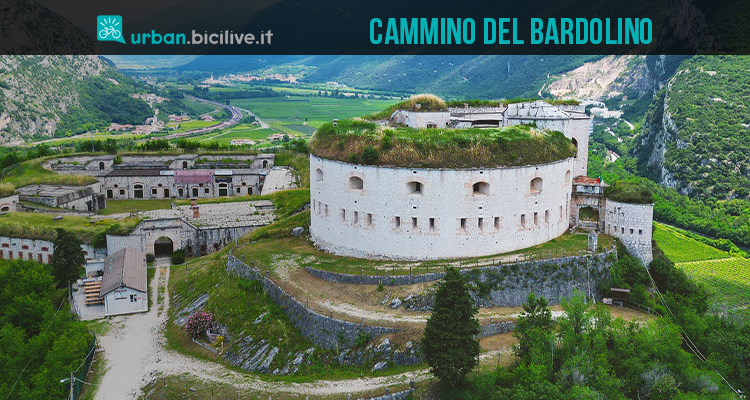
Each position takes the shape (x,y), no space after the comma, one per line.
(124,285)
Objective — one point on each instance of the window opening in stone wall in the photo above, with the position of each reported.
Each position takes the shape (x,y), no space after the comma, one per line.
(326,210)
(414,222)
(318,175)
(101,166)
(536,185)
(575,144)
(356,183)
(153,191)
(343,215)
(206,190)
(195,192)
(546,217)
(622,232)
(415,188)
(432,224)
(567,177)
(631,231)
(536,218)
(398,222)
(640,231)
(480,223)
(184,165)
(481,189)
(497,223)
(523,220)
(463,224)
(356,218)
(369,219)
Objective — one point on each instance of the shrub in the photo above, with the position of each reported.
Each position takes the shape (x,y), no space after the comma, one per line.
(178,257)
(198,323)
(150,258)
(380,287)
(370,155)
(362,339)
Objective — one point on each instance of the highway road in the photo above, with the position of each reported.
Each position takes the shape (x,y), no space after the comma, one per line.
(234,120)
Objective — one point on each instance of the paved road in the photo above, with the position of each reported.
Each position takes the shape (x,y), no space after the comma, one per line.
(234,120)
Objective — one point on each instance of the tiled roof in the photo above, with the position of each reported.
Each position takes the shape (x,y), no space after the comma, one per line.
(126,267)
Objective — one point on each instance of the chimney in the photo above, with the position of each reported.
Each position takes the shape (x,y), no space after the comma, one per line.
(193,202)
(196,213)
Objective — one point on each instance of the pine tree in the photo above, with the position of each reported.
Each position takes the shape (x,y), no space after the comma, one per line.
(67,258)
(449,343)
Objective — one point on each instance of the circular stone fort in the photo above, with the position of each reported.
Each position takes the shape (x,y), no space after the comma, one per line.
(423,180)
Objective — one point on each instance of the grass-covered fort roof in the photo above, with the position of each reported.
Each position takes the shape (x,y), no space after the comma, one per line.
(363,142)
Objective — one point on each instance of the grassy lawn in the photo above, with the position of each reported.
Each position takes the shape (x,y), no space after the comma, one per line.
(41,226)
(130,205)
(274,241)
(178,387)
(280,111)
(31,172)
(237,303)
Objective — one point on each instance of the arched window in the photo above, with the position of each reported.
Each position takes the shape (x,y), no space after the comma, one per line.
(265,164)
(536,185)
(480,189)
(184,165)
(318,175)
(5,209)
(415,188)
(356,183)
(223,189)
(101,166)
(575,143)
(567,177)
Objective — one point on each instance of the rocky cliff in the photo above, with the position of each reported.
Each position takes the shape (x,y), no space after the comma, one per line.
(36,90)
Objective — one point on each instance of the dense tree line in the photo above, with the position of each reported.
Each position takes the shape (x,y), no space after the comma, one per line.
(588,354)
(37,332)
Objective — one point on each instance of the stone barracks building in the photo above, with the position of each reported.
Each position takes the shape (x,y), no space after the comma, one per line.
(165,177)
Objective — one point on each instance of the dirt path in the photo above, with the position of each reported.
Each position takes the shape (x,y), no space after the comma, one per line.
(131,347)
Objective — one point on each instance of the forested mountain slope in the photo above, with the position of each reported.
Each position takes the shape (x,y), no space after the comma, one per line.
(696,134)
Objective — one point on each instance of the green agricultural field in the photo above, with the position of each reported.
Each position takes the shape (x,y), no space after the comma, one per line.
(242,133)
(727,280)
(186,126)
(680,248)
(294,110)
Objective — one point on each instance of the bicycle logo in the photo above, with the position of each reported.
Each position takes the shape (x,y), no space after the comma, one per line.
(109,28)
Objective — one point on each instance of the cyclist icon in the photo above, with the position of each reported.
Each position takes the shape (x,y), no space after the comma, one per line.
(109,31)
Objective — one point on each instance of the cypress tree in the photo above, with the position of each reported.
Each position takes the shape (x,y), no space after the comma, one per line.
(67,258)
(449,343)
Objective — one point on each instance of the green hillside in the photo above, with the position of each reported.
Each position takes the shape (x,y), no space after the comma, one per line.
(702,120)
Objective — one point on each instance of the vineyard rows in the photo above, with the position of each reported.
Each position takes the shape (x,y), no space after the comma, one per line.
(680,248)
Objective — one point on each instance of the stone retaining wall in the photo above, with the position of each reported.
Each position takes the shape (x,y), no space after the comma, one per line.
(507,285)
(322,330)
(496,329)
(395,280)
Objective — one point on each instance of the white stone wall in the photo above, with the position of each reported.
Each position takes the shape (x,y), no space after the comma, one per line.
(9,203)
(573,128)
(363,223)
(633,225)
(39,250)
(421,120)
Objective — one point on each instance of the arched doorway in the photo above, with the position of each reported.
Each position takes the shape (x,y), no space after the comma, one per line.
(163,247)
(588,217)
(138,191)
